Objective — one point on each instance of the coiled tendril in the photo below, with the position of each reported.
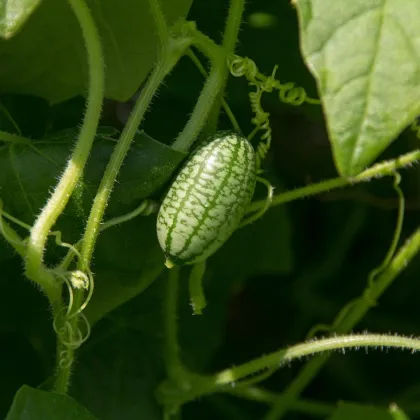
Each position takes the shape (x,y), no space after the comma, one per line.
(288,93)
(69,337)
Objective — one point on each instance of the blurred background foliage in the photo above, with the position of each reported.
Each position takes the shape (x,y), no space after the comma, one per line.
(266,288)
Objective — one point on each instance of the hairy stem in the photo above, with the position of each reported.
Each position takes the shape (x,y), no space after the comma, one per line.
(201,385)
(209,101)
(202,108)
(230,38)
(382,169)
(283,357)
(98,208)
(169,57)
(225,105)
(223,380)
(116,160)
(75,166)
(74,169)
(344,324)
(233,24)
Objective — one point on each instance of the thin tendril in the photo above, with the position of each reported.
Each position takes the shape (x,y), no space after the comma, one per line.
(264,208)
(288,93)
(61,323)
(14,219)
(90,288)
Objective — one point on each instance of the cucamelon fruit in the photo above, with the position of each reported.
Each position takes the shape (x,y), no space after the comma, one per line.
(207,200)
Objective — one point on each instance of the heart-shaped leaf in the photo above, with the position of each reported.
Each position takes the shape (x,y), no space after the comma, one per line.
(47,57)
(365,56)
(28,171)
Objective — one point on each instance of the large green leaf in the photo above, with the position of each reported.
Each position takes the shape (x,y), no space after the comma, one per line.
(365,55)
(13,14)
(28,171)
(47,57)
(34,404)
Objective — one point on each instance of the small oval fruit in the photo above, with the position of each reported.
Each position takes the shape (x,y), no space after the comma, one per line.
(207,200)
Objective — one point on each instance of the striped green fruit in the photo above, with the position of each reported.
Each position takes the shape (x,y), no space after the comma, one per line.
(207,200)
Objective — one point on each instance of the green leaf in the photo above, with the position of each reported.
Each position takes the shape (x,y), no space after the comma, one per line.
(365,56)
(28,171)
(58,70)
(347,411)
(34,404)
(13,14)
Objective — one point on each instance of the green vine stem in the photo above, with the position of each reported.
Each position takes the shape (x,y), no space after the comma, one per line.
(73,171)
(116,160)
(225,105)
(233,24)
(347,319)
(381,169)
(377,171)
(214,85)
(201,385)
(202,108)
(340,343)
(230,38)
(351,315)
(222,381)
(172,51)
